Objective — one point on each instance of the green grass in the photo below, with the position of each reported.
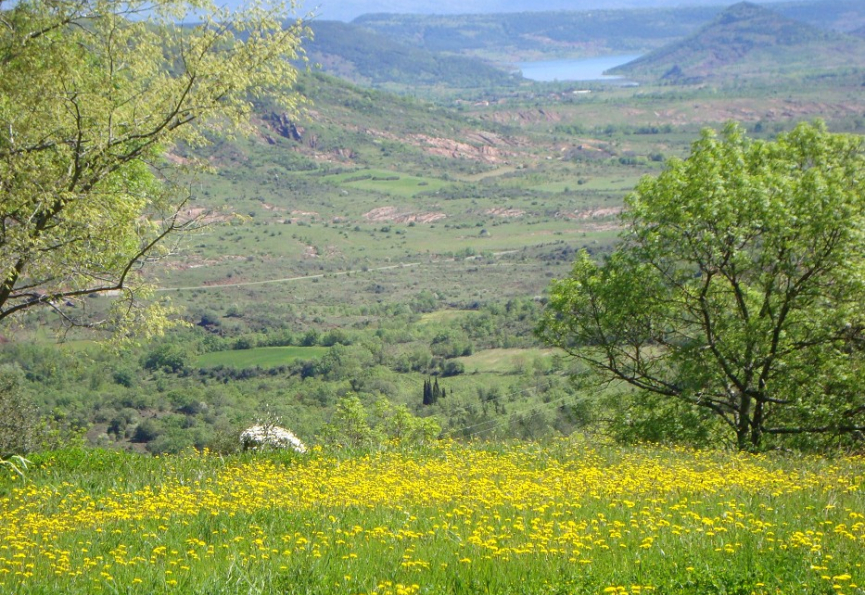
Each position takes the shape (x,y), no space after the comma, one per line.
(387,182)
(561,518)
(443,316)
(263,357)
(503,361)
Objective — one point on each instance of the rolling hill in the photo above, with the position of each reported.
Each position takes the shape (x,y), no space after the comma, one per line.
(372,59)
(521,36)
(744,42)
(574,30)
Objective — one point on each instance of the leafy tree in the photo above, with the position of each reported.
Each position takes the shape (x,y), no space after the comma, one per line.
(427,393)
(92,94)
(168,358)
(17,415)
(737,288)
(22,428)
(350,427)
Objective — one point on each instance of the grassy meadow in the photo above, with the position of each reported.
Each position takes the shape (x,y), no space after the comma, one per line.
(264,357)
(564,517)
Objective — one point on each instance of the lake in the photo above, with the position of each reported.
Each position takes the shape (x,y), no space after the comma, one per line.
(585,69)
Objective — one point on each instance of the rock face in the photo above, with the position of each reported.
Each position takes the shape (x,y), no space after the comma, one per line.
(284,127)
(260,436)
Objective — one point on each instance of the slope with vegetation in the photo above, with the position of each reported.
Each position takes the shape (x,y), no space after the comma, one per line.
(369,58)
(521,36)
(370,272)
(370,245)
(507,38)
(748,41)
(736,291)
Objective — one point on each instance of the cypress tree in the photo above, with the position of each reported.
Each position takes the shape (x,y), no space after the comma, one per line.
(427,393)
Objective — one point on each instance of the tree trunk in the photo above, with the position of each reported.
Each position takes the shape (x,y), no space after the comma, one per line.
(757,425)
(743,423)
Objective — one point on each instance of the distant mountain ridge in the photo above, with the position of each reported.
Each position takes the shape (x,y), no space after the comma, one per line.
(541,32)
(400,51)
(347,10)
(747,41)
(369,58)
(525,36)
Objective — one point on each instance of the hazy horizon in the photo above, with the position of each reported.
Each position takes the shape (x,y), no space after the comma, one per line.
(348,10)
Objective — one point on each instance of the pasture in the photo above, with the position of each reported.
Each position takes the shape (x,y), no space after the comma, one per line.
(568,516)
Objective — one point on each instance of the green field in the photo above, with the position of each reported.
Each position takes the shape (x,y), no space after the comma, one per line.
(505,361)
(565,517)
(386,182)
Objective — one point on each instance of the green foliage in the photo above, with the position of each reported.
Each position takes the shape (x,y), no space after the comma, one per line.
(364,56)
(91,94)
(167,357)
(16,463)
(747,41)
(531,33)
(476,165)
(738,287)
(17,415)
(352,426)
(22,428)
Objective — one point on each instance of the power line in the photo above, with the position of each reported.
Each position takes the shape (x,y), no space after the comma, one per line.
(506,417)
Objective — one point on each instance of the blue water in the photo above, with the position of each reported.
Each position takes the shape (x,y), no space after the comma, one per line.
(586,69)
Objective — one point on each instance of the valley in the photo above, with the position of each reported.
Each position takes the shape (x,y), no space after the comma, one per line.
(378,238)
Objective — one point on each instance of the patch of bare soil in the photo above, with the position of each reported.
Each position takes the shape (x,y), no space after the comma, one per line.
(301,215)
(532,116)
(198,263)
(600,213)
(485,150)
(503,212)
(396,216)
(771,110)
(203,216)
(486,147)
(587,149)
(592,215)
(224,281)
(176,159)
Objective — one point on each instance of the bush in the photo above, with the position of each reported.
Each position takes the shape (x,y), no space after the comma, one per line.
(168,358)
(146,431)
(452,368)
(17,415)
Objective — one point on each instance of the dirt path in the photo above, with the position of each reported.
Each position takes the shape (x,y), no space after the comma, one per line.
(290,279)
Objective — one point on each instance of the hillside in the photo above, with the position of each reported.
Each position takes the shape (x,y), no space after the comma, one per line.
(369,58)
(522,36)
(614,28)
(743,42)
(374,241)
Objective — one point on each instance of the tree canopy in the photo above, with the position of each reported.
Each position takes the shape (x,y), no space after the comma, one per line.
(92,95)
(737,287)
